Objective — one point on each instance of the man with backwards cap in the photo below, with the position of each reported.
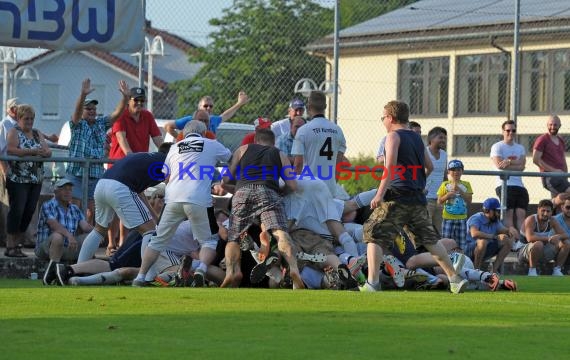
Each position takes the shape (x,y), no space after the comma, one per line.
(487,236)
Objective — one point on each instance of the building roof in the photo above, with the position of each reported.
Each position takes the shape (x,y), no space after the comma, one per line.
(163,74)
(446,17)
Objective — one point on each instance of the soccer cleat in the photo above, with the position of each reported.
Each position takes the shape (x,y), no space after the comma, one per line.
(492,281)
(184,274)
(367,287)
(394,269)
(457,260)
(258,272)
(356,263)
(50,275)
(347,281)
(199,278)
(412,275)
(509,284)
(62,274)
(316,258)
(458,287)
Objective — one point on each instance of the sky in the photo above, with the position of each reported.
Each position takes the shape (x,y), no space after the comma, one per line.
(186,18)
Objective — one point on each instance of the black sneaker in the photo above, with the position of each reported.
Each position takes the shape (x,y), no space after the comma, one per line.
(199,279)
(258,272)
(347,281)
(50,275)
(62,274)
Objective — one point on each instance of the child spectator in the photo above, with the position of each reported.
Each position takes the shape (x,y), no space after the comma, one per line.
(455,195)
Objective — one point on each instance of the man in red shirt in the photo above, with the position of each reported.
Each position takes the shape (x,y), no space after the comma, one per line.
(132,129)
(549,155)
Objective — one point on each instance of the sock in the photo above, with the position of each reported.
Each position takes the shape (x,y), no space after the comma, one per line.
(557,268)
(364,198)
(202,267)
(348,244)
(106,278)
(473,275)
(90,246)
(140,277)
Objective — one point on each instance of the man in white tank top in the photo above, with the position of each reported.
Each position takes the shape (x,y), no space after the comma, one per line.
(437,141)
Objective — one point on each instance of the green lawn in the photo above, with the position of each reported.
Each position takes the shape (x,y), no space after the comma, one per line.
(39,322)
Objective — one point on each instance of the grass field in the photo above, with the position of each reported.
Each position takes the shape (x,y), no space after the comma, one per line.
(39,322)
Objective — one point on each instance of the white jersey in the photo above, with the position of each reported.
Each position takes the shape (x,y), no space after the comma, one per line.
(191,165)
(183,242)
(506,151)
(319,142)
(281,127)
(435,178)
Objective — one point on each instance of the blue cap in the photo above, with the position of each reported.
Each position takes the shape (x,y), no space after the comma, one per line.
(455,164)
(296,104)
(491,204)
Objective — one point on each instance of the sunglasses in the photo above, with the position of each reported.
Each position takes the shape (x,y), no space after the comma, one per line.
(139,101)
(511,130)
(208,106)
(90,108)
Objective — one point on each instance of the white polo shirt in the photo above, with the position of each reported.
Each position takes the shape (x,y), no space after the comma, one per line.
(191,165)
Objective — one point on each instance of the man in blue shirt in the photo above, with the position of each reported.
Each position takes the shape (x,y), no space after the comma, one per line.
(487,236)
(207,103)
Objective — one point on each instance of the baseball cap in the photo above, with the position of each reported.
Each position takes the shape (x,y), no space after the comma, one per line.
(261,123)
(296,104)
(11,103)
(491,204)
(62,182)
(90,101)
(137,92)
(455,164)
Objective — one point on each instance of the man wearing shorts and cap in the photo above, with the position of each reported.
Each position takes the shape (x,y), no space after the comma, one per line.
(58,228)
(487,236)
(283,126)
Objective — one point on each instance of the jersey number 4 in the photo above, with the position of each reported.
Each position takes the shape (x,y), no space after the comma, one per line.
(326,149)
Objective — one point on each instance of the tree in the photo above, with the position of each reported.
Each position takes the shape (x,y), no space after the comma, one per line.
(258,48)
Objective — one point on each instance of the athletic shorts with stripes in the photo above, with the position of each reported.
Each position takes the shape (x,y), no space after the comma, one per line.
(112,197)
(256,204)
(387,220)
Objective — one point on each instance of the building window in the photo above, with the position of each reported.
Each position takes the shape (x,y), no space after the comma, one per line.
(424,85)
(482,84)
(50,102)
(545,81)
(474,145)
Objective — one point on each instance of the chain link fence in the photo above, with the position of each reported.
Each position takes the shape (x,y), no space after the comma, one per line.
(450,60)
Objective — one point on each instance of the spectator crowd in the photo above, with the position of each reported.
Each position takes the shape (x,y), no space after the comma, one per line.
(281,228)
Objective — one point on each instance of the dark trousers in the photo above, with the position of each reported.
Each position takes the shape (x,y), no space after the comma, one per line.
(23,201)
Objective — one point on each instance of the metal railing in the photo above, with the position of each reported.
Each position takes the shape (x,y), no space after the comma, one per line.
(86,164)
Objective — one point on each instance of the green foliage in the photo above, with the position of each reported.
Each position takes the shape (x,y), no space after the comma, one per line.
(259,49)
(364,182)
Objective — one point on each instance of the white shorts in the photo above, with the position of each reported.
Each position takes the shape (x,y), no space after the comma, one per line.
(172,215)
(165,260)
(113,197)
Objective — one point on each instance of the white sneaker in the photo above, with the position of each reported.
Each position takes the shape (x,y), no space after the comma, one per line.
(557,272)
(532,272)
(458,287)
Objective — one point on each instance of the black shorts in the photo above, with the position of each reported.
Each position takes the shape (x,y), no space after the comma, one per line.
(129,254)
(555,185)
(517,197)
